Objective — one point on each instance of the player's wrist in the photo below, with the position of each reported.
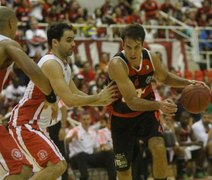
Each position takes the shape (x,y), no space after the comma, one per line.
(191,81)
(51,98)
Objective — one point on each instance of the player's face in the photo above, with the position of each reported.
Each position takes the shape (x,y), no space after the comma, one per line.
(132,49)
(67,44)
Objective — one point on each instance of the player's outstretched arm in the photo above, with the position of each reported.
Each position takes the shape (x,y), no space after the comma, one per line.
(69,93)
(29,67)
(168,78)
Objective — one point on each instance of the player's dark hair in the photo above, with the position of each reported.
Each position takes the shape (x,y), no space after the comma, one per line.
(56,32)
(133,31)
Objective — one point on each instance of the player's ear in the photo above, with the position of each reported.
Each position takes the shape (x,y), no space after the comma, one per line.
(10,22)
(54,42)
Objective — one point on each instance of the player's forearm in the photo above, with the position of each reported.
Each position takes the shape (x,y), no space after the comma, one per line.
(175,81)
(95,103)
(74,100)
(137,104)
(64,116)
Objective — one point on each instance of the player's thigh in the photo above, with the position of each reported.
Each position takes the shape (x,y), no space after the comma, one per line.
(39,147)
(11,158)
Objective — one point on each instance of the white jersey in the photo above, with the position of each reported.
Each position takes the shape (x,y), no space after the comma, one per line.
(31,107)
(4,73)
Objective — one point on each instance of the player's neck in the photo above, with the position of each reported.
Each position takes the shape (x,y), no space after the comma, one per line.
(5,33)
(64,59)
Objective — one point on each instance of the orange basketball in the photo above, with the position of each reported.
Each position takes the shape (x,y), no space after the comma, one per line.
(195,98)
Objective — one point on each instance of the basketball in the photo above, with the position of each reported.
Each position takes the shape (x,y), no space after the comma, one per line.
(195,98)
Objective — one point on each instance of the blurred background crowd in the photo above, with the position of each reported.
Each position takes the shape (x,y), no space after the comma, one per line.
(188,136)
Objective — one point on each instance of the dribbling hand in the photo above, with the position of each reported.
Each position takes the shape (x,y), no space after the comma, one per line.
(168,107)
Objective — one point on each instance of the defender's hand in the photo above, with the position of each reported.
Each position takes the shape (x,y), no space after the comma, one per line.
(168,107)
(109,94)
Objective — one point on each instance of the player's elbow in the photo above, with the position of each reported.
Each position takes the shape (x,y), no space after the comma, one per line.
(131,105)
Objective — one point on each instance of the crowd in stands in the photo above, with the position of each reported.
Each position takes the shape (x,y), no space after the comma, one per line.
(192,13)
(182,140)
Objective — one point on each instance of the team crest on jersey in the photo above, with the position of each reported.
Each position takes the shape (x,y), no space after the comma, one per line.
(42,155)
(148,79)
(16,154)
(147,67)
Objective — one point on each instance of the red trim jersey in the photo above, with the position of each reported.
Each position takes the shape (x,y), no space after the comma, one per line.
(141,79)
(30,109)
(11,158)
(4,72)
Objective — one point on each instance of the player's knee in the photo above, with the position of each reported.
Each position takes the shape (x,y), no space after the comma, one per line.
(157,146)
(124,174)
(26,172)
(61,166)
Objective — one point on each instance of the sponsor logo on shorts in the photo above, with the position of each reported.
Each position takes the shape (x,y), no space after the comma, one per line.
(42,155)
(121,161)
(17,154)
(148,79)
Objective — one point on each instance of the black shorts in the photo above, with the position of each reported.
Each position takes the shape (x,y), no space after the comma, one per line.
(127,131)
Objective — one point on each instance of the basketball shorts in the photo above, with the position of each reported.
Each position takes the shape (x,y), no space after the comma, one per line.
(11,157)
(38,148)
(126,132)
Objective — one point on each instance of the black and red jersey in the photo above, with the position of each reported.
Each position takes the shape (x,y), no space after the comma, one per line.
(141,79)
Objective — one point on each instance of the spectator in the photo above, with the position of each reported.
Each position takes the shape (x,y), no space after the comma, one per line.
(124,6)
(36,9)
(150,8)
(88,73)
(106,7)
(83,150)
(36,39)
(201,131)
(193,149)
(167,7)
(13,93)
(134,17)
(104,134)
(23,10)
(104,61)
(205,9)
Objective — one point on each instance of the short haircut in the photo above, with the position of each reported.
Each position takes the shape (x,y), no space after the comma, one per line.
(5,15)
(56,31)
(133,31)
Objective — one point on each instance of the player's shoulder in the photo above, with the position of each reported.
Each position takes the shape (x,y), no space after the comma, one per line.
(9,43)
(49,60)
(117,61)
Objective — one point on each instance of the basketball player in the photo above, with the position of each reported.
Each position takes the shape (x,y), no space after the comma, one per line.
(25,127)
(11,158)
(136,114)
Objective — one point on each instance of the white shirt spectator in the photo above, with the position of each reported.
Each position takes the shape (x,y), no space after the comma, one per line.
(32,34)
(36,10)
(200,132)
(85,141)
(104,137)
(12,93)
